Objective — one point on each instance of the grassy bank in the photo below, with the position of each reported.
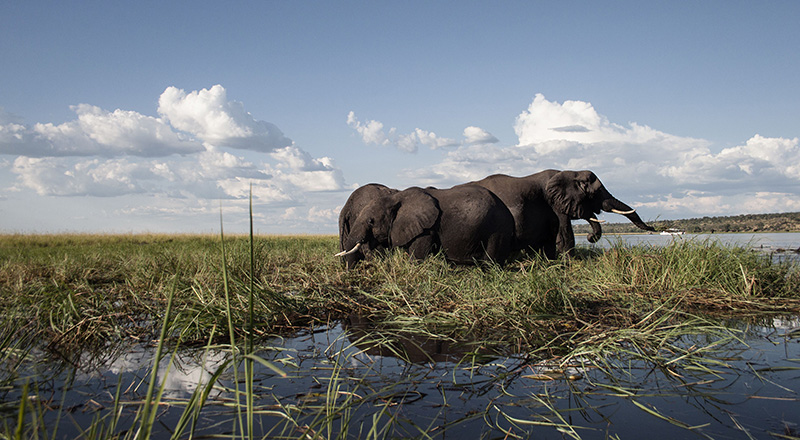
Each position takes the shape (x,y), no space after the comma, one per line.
(72,295)
(80,290)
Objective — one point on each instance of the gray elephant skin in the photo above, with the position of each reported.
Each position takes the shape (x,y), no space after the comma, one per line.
(467,223)
(360,198)
(543,205)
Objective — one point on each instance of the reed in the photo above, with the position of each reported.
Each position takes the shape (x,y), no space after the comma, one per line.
(68,295)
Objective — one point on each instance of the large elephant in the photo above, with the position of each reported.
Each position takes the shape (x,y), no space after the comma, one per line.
(467,223)
(543,205)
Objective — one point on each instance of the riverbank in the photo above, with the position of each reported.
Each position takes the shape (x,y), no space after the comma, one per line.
(69,302)
(777,222)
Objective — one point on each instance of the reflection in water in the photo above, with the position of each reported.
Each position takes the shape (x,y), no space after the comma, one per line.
(743,382)
(187,370)
(413,348)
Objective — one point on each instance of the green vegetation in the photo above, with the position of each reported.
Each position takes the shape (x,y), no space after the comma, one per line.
(783,222)
(69,295)
(80,290)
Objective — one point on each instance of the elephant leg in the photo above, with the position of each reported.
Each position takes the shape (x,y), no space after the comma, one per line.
(565,240)
(550,251)
(422,246)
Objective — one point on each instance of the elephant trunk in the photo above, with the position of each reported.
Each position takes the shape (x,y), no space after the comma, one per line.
(615,206)
(597,231)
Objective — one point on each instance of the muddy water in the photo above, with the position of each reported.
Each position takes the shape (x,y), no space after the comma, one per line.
(748,385)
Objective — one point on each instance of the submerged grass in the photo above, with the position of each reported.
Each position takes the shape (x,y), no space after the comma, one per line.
(70,295)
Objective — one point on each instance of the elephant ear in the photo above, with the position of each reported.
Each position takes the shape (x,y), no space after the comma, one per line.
(568,192)
(417,212)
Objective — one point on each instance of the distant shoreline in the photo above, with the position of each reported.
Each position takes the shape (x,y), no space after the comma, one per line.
(747,223)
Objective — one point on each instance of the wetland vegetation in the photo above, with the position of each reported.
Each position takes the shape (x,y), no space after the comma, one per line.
(69,303)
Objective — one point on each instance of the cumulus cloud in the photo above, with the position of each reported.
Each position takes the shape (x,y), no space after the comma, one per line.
(211,117)
(191,150)
(95,177)
(666,173)
(760,162)
(96,132)
(372,132)
(302,171)
(476,135)
(314,214)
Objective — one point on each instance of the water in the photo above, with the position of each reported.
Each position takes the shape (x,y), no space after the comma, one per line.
(746,385)
(743,384)
(781,246)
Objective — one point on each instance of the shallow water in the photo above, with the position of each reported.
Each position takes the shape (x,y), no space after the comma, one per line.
(748,382)
(781,246)
(768,241)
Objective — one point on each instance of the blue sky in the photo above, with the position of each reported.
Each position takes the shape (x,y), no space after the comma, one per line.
(157,116)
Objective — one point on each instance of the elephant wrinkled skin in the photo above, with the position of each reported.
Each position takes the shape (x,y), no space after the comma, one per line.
(360,198)
(543,205)
(467,223)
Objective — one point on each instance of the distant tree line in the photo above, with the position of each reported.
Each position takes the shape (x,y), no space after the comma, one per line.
(782,222)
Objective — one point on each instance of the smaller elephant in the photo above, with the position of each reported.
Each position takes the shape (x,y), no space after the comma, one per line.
(468,224)
(360,198)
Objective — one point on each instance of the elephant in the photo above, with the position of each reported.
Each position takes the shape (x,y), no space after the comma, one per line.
(543,205)
(360,198)
(468,223)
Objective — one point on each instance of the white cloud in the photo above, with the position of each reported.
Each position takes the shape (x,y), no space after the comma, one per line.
(103,178)
(299,169)
(314,214)
(670,175)
(96,132)
(208,115)
(372,132)
(476,135)
(760,162)
(323,215)
(708,203)
(430,140)
(131,153)
(575,121)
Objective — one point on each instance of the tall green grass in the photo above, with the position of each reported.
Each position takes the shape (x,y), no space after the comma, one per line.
(79,291)
(68,295)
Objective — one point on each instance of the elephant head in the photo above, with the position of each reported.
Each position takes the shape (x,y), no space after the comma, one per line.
(581,195)
(390,221)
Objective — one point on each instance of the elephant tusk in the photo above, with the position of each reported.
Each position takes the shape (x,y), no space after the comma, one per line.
(616,211)
(343,253)
(596,220)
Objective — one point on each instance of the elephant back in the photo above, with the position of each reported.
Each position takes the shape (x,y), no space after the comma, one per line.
(475,224)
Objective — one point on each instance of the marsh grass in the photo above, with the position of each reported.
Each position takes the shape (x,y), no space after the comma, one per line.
(69,295)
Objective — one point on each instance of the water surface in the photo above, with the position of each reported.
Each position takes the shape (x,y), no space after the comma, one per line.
(746,385)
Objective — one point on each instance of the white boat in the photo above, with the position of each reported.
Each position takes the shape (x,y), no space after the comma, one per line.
(672,231)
